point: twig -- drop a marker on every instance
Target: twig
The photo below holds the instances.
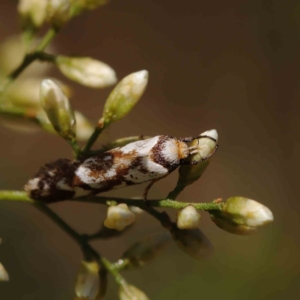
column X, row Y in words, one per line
column 29, row 58
column 164, row 203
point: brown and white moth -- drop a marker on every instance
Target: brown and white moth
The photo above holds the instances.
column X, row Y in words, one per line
column 145, row 160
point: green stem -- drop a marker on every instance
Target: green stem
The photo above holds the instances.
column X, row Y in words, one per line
column 47, row 39
column 62, row 224
column 121, row 264
column 27, row 37
column 88, row 251
column 164, row 203
column 98, row 129
column 29, row 58
column 76, row 149
column 177, row 190
column 113, row 271
column 82, row 240
column 27, row 114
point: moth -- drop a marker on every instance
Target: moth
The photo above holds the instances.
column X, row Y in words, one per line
column 142, row 161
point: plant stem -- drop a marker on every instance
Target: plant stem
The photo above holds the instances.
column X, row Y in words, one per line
column 88, row 251
column 82, row 240
column 47, row 39
column 98, row 129
column 76, row 149
column 29, row 58
column 27, row 114
column 164, row 203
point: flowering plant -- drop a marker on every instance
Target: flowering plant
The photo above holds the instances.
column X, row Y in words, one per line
column 128, row 160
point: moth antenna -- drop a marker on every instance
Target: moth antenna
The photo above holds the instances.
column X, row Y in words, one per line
column 190, row 162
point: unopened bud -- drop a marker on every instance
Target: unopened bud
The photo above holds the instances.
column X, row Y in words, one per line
column 188, row 218
column 201, row 149
column 58, row 12
column 130, row 292
column 87, row 71
column 118, row 217
column 3, row 273
column 146, row 249
column 124, row 97
column 242, row 216
column 204, row 147
column 193, row 242
column 32, row 12
column 58, row 109
column 88, row 281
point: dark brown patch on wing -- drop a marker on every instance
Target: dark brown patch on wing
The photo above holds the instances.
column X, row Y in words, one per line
column 99, row 164
column 47, row 178
column 156, row 154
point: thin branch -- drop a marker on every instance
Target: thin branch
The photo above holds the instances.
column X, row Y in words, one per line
column 88, row 251
column 97, row 131
column 164, row 203
column 29, row 58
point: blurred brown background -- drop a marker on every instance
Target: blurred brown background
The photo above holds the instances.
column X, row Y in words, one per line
column 230, row 65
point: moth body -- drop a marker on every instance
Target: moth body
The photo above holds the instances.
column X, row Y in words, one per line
column 142, row 161
column 134, row 163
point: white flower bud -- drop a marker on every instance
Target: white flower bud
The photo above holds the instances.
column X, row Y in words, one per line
column 124, row 97
column 188, row 218
column 3, row 273
column 200, row 149
column 58, row 109
column 240, row 215
column 118, row 217
column 32, row 12
column 204, row 147
column 86, row 71
column 88, row 281
column 130, row 292
column 58, row 12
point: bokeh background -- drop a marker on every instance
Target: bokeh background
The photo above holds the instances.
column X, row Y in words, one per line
column 231, row 65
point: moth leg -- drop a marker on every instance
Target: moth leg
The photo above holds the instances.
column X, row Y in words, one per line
column 148, row 187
